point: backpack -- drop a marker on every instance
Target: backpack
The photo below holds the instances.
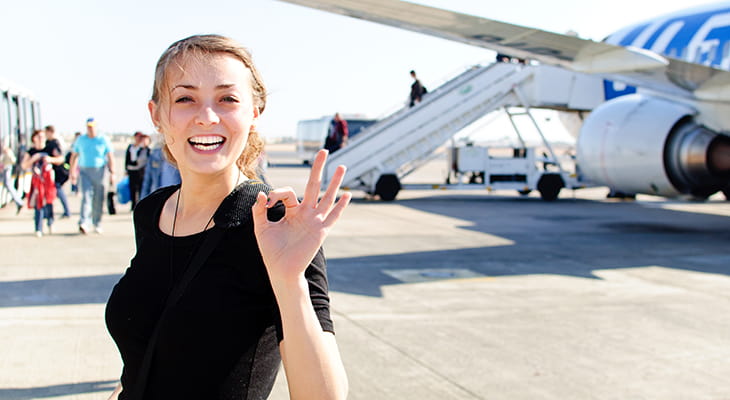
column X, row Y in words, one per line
column 64, row 170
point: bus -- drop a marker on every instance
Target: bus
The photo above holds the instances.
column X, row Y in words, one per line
column 19, row 116
column 312, row 132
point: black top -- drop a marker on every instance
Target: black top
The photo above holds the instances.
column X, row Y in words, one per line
column 220, row 340
column 130, row 165
column 33, row 151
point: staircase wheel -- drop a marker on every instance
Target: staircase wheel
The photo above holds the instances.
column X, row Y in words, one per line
column 549, row 186
column 387, row 187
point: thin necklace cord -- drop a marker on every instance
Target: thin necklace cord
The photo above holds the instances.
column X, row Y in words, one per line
column 200, row 241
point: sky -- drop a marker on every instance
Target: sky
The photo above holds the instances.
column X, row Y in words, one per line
column 84, row 58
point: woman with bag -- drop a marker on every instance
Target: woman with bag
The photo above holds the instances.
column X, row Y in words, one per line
column 229, row 277
column 42, row 185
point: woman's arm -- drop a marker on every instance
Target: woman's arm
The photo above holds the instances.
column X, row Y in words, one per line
column 28, row 160
column 311, row 359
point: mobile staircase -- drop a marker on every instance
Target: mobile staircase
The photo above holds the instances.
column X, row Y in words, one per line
column 379, row 157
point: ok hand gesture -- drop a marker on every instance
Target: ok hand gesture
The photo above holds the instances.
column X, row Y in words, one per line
column 289, row 245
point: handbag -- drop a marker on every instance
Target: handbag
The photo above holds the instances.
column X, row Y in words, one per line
column 123, row 193
column 111, row 207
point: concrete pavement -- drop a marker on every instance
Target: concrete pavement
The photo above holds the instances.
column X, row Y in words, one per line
column 437, row 295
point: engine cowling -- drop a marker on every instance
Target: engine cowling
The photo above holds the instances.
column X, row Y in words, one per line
column 643, row 144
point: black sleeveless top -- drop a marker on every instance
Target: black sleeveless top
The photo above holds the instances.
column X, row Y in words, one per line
column 220, row 340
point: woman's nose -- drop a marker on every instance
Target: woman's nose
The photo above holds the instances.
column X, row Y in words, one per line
column 207, row 116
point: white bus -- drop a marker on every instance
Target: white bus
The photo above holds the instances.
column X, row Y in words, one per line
column 19, row 116
column 311, row 133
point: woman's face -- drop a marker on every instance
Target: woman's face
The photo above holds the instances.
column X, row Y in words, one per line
column 207, row 113
column 39, row 140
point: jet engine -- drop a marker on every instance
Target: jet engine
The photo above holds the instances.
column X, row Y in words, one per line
column 643, row 144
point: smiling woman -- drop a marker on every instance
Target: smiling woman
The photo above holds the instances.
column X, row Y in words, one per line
column 218, row 293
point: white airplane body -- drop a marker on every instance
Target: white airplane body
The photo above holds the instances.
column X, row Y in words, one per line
column 664, row 127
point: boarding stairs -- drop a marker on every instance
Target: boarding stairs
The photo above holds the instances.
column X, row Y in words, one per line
column 390, row 149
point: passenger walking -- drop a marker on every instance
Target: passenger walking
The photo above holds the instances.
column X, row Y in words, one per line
column 217, row 294
column 55, row 148
column 417, row 90
column 42, row 187
column 7, row 161
column 337, row 135
column 135, row 160
column 93, row 155
column 158, row 173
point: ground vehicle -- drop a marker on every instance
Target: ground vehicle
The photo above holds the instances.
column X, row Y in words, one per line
column 517, row 168
column 19, row 116
column 312, row 132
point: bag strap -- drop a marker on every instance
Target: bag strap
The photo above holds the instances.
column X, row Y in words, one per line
column 212, row 238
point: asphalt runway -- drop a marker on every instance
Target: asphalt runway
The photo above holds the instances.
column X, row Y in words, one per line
column 436, row 295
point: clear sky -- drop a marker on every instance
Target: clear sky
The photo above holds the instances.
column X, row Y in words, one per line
column 96, row 58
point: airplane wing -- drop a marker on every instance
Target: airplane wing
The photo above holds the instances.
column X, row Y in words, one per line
column 632, row 66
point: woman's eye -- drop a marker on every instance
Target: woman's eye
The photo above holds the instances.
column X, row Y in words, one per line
column 229, row 99
column 184, row 99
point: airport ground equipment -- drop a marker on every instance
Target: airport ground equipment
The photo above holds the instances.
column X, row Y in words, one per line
column 513, row 168
column 384, row 153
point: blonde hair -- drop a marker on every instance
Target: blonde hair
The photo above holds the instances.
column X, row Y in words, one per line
column 201, row 47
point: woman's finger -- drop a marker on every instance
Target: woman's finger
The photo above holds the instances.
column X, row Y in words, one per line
column 331, row 194
column 259, row 211
column 285, row 195
column 311, row 192
column 337, row 211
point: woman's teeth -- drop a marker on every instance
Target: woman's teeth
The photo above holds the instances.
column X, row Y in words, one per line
column 206, row 142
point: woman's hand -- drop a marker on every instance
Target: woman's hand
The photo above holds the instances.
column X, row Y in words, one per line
column 289, row 245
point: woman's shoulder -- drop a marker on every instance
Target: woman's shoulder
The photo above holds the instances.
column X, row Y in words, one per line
column 235, row 209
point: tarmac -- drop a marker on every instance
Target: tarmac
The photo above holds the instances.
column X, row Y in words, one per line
column 436, row 295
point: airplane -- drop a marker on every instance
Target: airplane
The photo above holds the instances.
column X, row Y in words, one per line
column 664, row 127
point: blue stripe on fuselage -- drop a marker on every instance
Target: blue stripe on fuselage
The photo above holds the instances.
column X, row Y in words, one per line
column 631, row 36
column 677, row 47
column 611, row 92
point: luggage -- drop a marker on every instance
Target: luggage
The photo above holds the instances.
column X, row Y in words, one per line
column 111, row 207
column 123, row 193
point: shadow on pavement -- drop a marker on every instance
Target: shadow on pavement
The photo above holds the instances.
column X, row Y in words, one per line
column 42, row 392
column 60, row 291
column 567, row 237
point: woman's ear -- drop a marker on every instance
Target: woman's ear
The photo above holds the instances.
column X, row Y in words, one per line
column 154, row 114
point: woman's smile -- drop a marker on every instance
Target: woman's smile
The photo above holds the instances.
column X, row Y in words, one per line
column 206, row 143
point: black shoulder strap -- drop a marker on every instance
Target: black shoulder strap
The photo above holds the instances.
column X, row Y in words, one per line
column 212, row 237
